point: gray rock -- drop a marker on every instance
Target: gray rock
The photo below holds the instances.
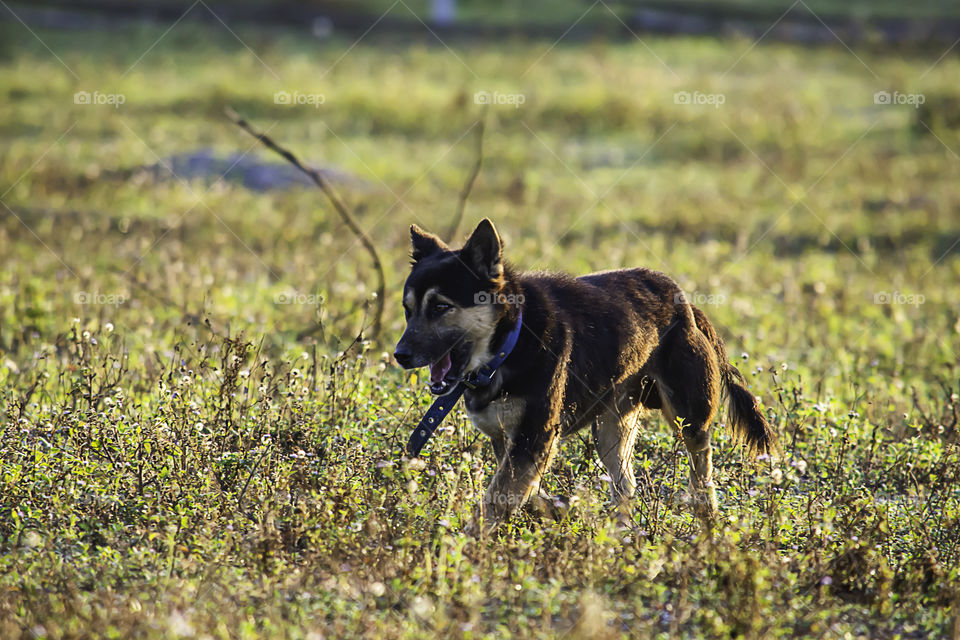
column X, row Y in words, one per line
column 252, row 172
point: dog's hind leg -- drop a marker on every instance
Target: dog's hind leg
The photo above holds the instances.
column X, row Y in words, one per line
column 689, row 382
column 613, row 437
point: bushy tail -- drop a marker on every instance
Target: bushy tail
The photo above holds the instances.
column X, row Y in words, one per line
column 743, row 412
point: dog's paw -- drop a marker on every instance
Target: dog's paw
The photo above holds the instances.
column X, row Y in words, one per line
column 478, row 523
column 472, row 528
column 555, row 507
column 483, row 522
column 704, row 503
column 541, row 505
column 623, row 517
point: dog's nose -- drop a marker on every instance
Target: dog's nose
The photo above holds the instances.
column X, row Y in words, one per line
column 403, row 357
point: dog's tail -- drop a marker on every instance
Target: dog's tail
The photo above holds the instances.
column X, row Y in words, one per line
column 743, row 411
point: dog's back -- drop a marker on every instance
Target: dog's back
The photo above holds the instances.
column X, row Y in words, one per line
column 618, row 324
column 614, row 321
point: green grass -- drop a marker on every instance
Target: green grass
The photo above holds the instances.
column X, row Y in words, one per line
column 173, row 460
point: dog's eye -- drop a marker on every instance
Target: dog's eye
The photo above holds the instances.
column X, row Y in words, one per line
column 441, row 307
column 406, row 312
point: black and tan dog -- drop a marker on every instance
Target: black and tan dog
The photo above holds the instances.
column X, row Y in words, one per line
column 594, row 350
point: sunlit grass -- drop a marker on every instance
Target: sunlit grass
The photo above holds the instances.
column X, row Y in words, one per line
column 175, row 460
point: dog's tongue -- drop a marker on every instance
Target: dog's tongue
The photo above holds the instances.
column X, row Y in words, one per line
column 440, row 368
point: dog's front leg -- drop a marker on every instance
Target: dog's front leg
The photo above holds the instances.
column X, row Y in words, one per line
column 518, row 476
column 530, row 447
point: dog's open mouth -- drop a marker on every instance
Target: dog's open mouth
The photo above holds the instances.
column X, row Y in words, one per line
column 441, row 378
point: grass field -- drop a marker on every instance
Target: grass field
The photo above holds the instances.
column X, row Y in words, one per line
column 193, row 444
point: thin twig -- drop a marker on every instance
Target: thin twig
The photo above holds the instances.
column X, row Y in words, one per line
column 468, row 185
column 337, row 203
column 246, row 484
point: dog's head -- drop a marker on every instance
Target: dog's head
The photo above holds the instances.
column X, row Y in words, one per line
column 452, row 301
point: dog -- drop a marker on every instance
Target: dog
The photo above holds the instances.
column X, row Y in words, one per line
column 594, row 350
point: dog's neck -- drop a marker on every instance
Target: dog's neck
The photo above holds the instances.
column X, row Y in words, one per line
column 512, row 293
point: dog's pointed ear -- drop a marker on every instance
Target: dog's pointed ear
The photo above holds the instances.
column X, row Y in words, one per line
column 483, row 251
column 425, row 244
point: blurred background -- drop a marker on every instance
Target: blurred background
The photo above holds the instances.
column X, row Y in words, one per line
column 781, row 159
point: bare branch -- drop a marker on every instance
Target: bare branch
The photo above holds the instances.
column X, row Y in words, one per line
column 338, row 204
column 468, row 185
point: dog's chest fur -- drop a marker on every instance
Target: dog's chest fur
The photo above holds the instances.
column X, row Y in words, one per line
column 498, row 417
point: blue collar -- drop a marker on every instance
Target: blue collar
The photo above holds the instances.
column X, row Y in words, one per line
column 480, row 378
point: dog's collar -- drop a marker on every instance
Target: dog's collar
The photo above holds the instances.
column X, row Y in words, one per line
column 480, row 378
